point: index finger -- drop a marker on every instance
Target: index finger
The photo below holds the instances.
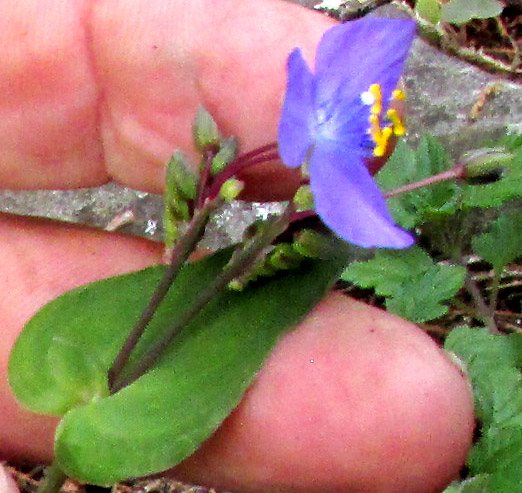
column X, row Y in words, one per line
column 105, row 90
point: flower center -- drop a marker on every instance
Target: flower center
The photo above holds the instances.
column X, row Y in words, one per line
column 381, row 135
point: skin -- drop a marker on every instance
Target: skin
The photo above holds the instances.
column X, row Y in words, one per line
column 106, row 89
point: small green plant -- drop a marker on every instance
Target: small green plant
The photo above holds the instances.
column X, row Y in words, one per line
column 166, row 386
column 457, row 11
column 426, row 283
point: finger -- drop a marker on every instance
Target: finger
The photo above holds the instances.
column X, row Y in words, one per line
column 107, row 89
column 7, row 483
column 35, row 269
column 355, row 399
column 351, row 395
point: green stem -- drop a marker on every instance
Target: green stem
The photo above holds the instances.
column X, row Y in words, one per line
column 53, row 479
column 183, row 249
column 238, row 264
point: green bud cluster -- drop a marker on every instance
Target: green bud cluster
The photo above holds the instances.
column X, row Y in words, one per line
column 306, row 244
column 184, row 186
column 180, row 189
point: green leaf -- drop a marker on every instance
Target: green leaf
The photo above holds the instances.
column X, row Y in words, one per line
column 503, row 243
column 429, row 10
column 414, row 284
column 462, row 11
column 406, row 166
column 493, row 363
column 162, row 418
column 476, row 484
column 400, row 169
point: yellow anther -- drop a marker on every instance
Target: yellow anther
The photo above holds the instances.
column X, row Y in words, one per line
column 382, row 142
column 398, row 94
column 397, row 124
column 375, row 128
column 381, row 135
column 375, row 91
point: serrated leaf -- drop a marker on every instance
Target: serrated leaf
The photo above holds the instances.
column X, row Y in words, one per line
column 388, row 270
column 502, row 244
column 414, row 284
column 405, row 166
column 462, row 11
column 162, row 418
column 429, row 10
column 400, row 169
column 422, row 299
column 493, row 364
column 499, row 453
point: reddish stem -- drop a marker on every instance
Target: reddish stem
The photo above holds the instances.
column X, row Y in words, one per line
column 262, row 154
column 452, row 174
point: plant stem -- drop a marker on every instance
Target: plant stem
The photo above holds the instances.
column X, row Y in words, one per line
column 262, row 154
column 53, row 480
column 238, row 264
column 483, row 310
column 183, row 249
column 452, row 174
column 495, row 285
column 204, row 179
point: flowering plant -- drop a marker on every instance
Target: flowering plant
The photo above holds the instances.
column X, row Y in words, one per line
column 133, row 404
column 333, row 119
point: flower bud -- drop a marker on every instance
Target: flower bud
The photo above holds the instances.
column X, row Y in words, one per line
column 311, row 244
column 180, row 188
column 285, row 257
column 304, row 198
column 483, row 162
column 226, row 154
column 231, row 189
column 205, row 131
column 180, row 176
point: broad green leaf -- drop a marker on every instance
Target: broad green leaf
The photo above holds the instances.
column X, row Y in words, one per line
column 414, row 284
column 429, row 10
column 503, row 243
column 405, row 166
column 493, row 363
column 162, row 418
column 462, row 11
column 476, row 484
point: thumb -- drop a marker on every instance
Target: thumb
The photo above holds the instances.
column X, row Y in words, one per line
column 7, row 484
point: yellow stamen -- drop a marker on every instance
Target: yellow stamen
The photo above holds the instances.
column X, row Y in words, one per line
column 382, row 142
column 381, row 135
column 397, row 124
column 375, row 128
column 375, row 91
column 398, row 94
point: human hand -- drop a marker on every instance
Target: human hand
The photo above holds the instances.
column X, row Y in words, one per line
column 94, row 91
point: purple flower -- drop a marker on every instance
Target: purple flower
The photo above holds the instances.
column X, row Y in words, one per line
column 336, row 117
